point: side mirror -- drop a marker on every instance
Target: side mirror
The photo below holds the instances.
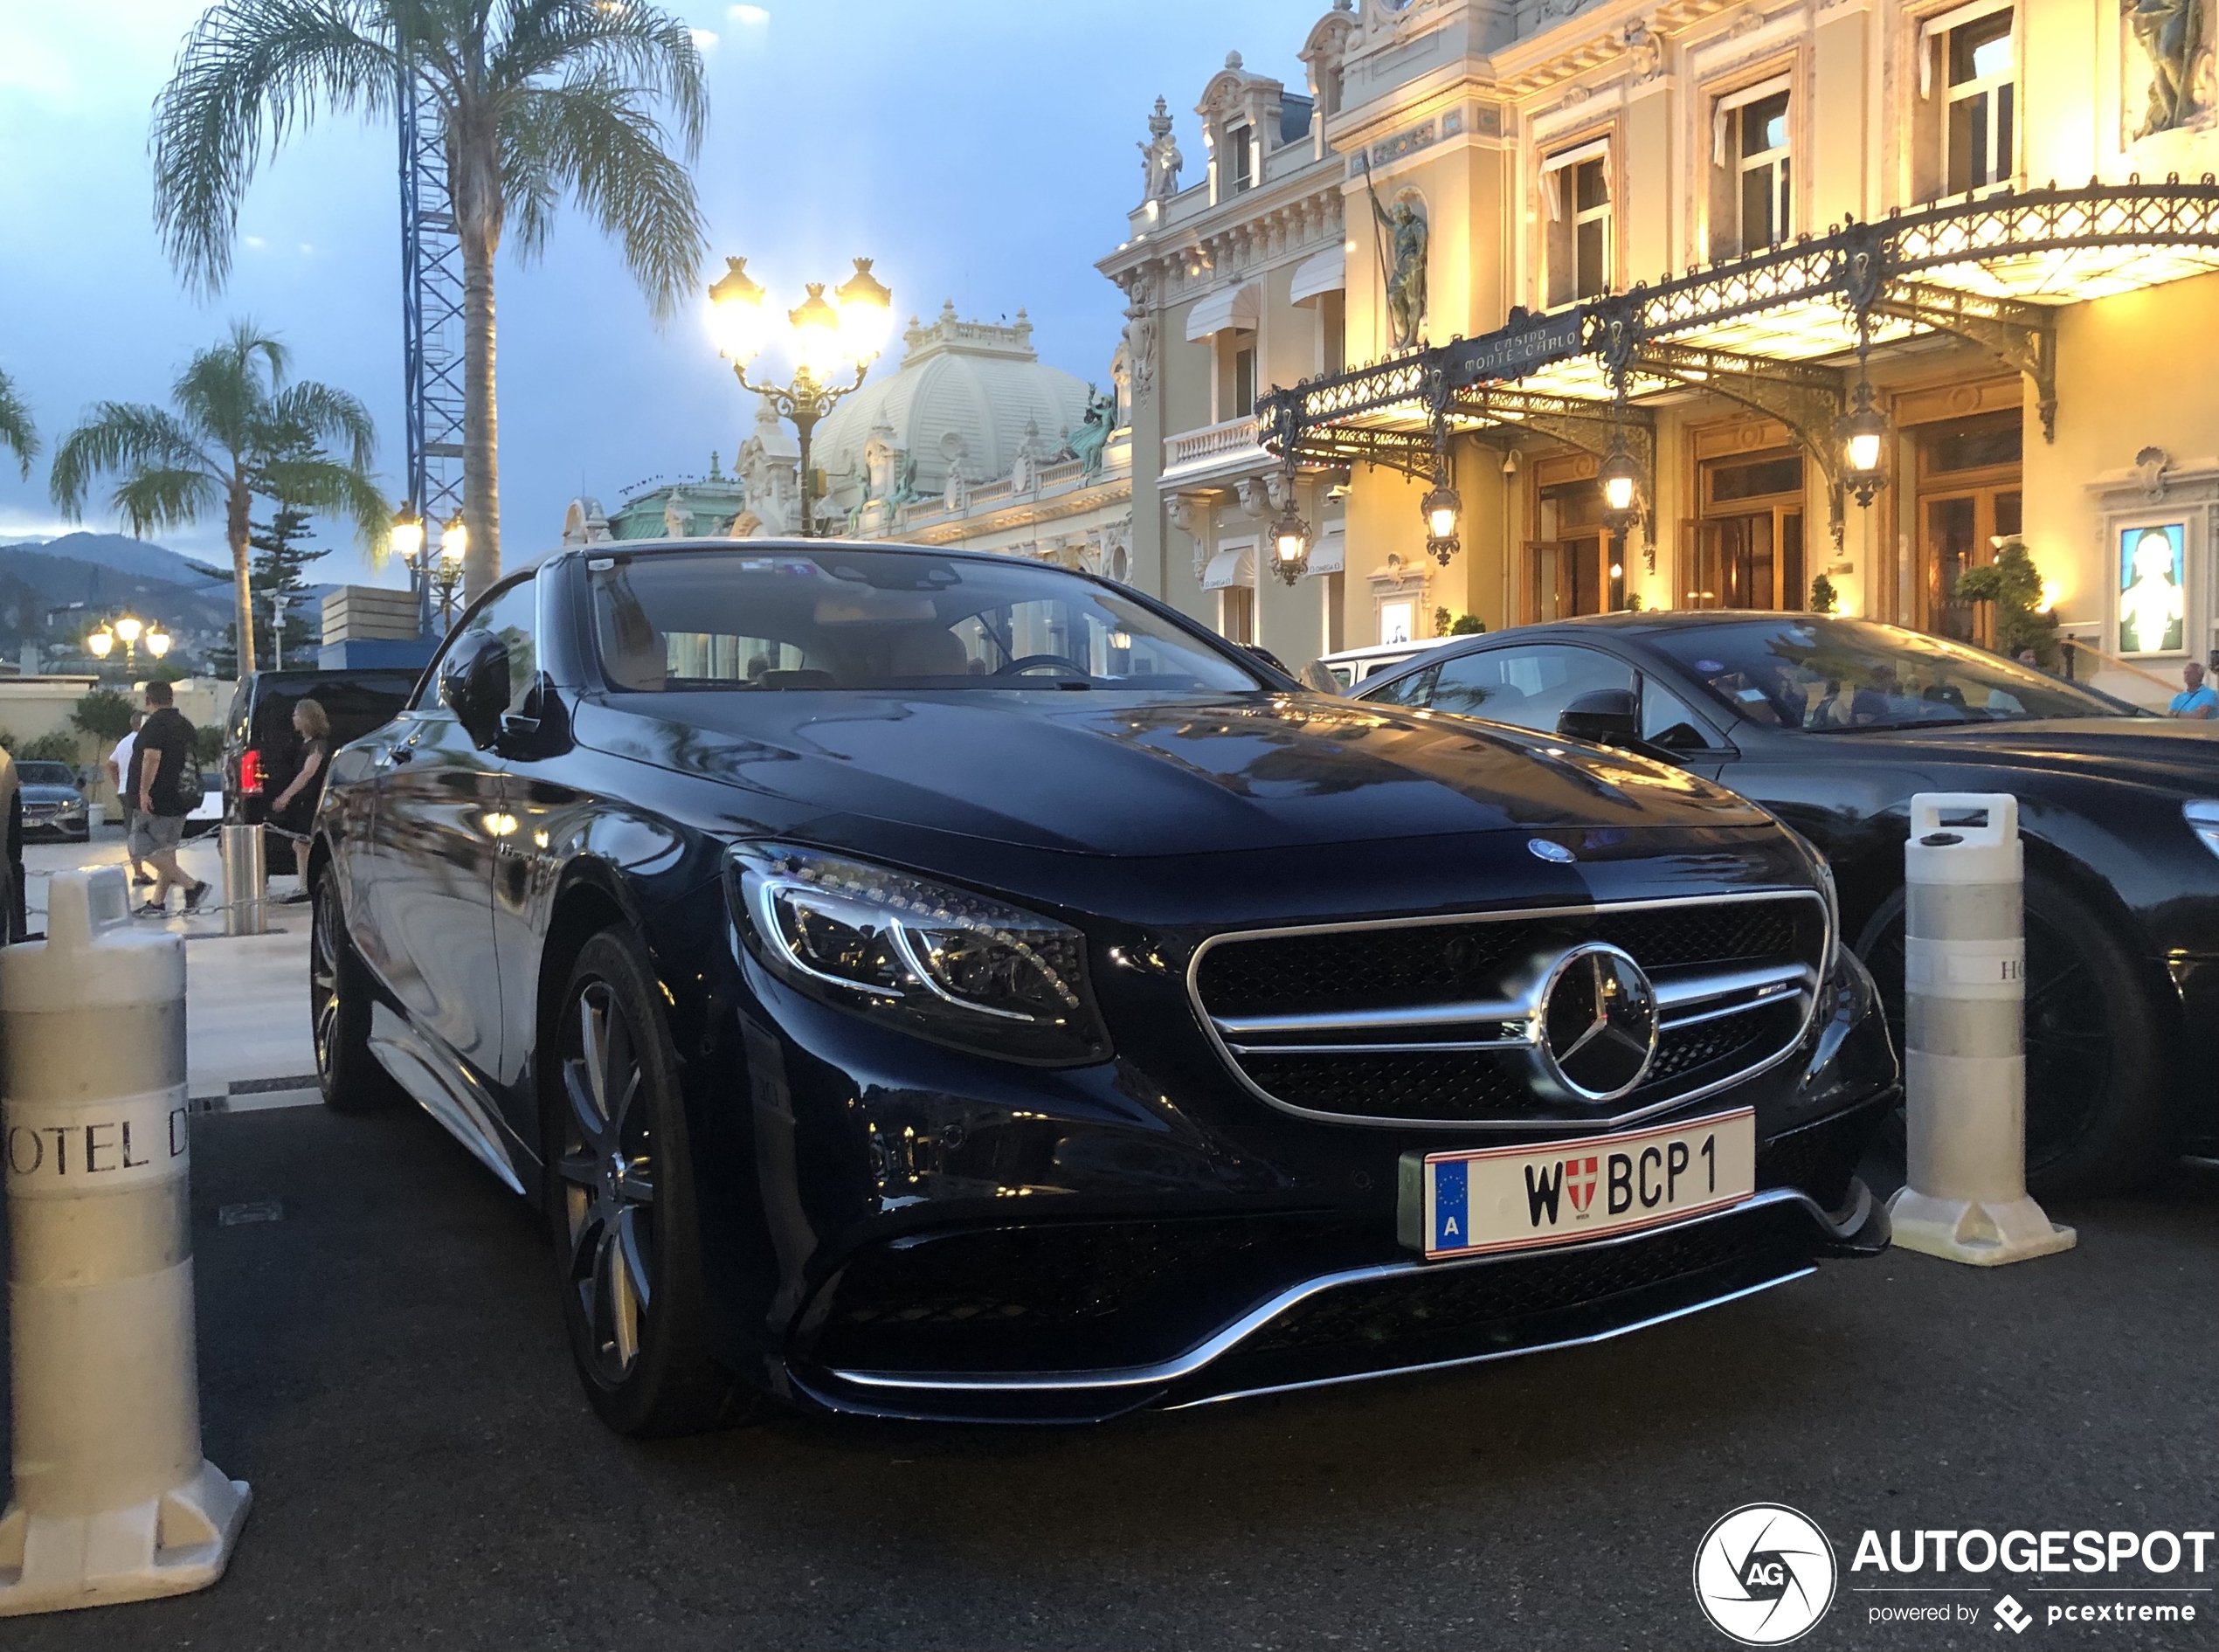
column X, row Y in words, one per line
column 1607, row 716
column 474, row 684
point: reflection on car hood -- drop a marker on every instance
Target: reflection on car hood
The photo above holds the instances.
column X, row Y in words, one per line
column 1127, row 774
column 52, row 794
column 2154, row 749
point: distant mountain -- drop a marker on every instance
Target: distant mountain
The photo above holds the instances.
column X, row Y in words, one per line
column 34, row 582
column 126, row 555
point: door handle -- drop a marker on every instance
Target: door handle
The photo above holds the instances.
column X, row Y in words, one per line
column 402, row 754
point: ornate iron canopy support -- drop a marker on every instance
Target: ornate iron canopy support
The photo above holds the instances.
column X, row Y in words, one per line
column 2023, row 336
column 1805, row 397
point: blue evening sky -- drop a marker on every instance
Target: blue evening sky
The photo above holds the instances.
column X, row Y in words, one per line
column 981, row 151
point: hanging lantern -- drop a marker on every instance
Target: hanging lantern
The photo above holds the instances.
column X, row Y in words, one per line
column 1865, row 435
column 1290, row 543
column 1442, row 509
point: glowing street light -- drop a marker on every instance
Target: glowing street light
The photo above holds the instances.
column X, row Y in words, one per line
column 827, row 337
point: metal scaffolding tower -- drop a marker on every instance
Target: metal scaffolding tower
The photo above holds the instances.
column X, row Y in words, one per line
column 431, row 328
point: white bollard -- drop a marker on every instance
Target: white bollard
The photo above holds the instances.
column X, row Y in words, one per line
column 1964, row 1038
column 113, row 1499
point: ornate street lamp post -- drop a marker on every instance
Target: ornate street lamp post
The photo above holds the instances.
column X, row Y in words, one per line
column 826, row 339
column 454, row 545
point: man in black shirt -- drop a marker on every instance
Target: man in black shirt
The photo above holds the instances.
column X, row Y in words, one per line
column 164, row 743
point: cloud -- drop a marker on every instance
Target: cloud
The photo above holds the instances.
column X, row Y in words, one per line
column 749, row 16
column 703, row 39
column 252, row 242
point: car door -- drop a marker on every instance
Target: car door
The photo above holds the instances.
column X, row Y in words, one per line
column 436, row 840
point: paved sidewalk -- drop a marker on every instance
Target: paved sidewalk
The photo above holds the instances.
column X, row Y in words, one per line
column 247, row 1042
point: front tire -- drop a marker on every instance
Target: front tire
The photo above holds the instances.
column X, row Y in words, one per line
column 620, row 1202
column 2095, row 1084
column 352, row 1079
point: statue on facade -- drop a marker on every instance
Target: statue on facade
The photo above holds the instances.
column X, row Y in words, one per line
column 1140, row 338
column 2170, row 33
column 1088, row 442
column 677, row 515
column 1025, row 471
column 1407, row 237
column 1160, row 160
column 905, row 481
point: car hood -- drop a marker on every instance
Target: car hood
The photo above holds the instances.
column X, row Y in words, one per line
column 52, row 794
column 1146, row 775
column 2152, row 750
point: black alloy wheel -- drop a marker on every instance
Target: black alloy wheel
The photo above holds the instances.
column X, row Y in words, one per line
column 619, row 1200
column 2095, row 1101
column 351, row 1078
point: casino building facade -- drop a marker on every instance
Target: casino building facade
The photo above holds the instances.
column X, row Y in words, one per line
column 1682, row 303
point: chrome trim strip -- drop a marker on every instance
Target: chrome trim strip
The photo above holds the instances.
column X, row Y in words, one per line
column 1739, row 1006
column 1239, row 1330
column 1379, row 1121
column 1436, row 1048
column 1383, row 1020
column 1587, row 1341
column 1672, row 994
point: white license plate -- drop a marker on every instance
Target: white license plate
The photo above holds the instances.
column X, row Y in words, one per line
column 1497, row 1199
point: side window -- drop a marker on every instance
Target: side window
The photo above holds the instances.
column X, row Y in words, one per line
column 514, row 617
column 1529, row 687
column 1416, row 689
column 1668, row 721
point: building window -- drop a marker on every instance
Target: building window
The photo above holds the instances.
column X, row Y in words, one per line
column 1751, row 204
column 1236, row 614
column 1244, row 381
column 1982, row 102
column 1332, row 333
column 1240, row 141
column 1576, row 188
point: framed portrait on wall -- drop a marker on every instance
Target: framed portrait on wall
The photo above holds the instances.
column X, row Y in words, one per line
column 2153, row 588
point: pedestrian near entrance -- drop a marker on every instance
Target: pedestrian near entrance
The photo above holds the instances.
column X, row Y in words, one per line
column 294, row 809
column 122, row 776
column 164, row 744
column 2196, row 702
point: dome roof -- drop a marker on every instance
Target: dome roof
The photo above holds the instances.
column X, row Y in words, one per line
column 964, row 389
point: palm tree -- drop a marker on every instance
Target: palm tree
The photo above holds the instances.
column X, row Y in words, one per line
column 16, row 432
column 537, row 99
column 237, row 428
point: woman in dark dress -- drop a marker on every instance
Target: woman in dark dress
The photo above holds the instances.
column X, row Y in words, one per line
column 294, row 809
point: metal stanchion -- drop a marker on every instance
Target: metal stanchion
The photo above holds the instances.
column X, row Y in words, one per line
column 1965, row 1037
column 245, row 882
column 113, row 1499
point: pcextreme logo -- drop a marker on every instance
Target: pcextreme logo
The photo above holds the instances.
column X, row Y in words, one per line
column 1765, row 1574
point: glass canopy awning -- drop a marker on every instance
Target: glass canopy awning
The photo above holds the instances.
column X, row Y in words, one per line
column 1760, row 329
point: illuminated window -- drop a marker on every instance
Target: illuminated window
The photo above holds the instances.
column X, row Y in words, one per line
column 1982, row 98
column 1241, row 142
column 1760, row 148
column 1576, row 187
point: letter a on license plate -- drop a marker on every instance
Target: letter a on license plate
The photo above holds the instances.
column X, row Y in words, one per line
column 1497, row 1199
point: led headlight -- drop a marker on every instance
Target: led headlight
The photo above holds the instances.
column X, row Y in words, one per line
column 942, row 962
column 2203, row 816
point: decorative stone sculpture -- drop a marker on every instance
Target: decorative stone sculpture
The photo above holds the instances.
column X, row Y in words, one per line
column 677, row 516
column 1087, row 443
column 1024, row 472
column 2170, row 33
column 1409, row 237
column 1160, row 160
column 905, row 481
column 1140, row 337
column 956, row 452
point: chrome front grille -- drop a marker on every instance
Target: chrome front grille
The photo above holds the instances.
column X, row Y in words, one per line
column 1436, row 1022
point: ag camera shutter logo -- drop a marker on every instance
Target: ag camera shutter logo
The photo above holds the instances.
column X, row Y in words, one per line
column 1765, row 1574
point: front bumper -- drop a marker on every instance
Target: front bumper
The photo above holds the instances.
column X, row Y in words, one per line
column 65, row 826
column 1396, row 1317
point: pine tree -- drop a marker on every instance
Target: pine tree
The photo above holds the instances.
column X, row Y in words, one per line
column 280, row 560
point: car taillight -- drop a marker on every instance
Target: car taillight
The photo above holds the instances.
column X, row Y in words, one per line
column 250, row 773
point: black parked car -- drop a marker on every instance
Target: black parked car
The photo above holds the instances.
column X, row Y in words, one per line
column 53, row 806
column 262, row 753
column 1833, row 725
column 940, row 985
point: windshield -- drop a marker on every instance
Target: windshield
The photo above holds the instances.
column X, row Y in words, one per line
column 859, row 619
column 45, row 774
column 1826, row 675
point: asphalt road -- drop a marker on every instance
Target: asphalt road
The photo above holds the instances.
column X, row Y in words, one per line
column 387, row 1366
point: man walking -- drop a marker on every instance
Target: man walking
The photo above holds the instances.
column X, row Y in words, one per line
column 126, row 798
column 165, row 741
